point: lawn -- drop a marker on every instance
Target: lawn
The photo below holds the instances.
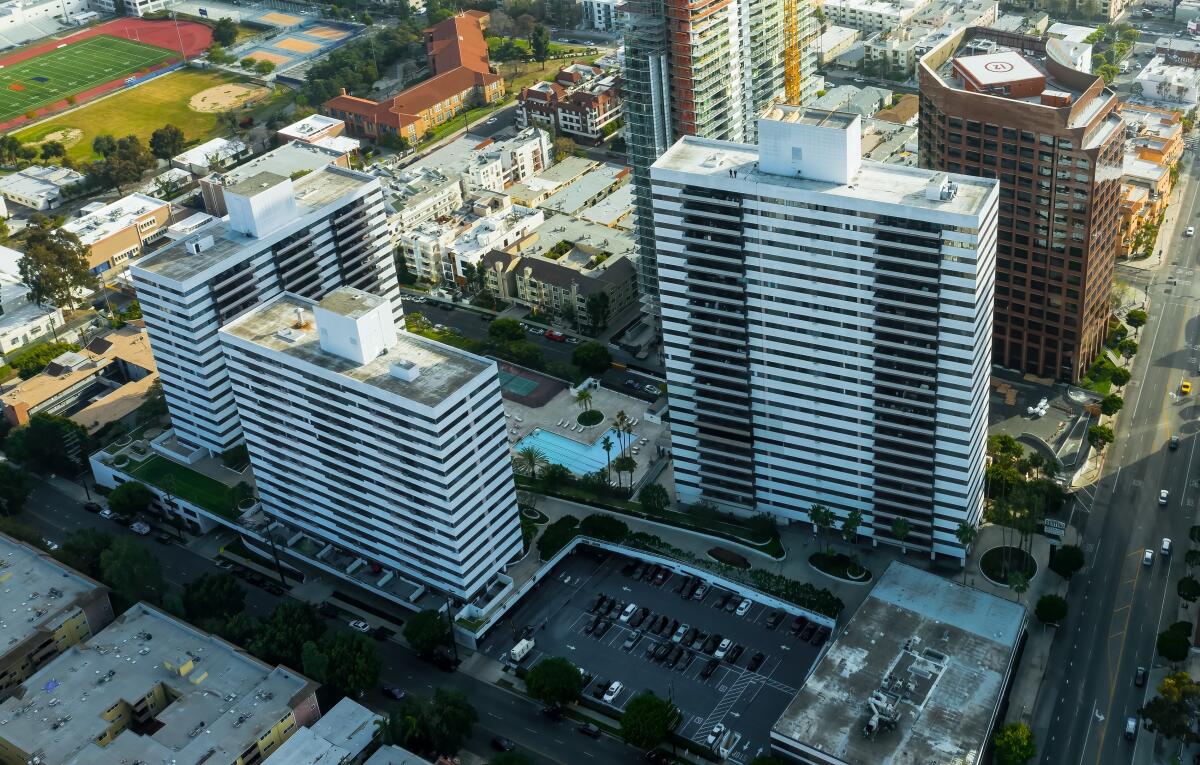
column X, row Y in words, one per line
column 188, row 485
column 54, row 75
column 138, row 111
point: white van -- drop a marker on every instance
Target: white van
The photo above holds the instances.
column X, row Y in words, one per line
column 1124, row 67
column 1166, row 547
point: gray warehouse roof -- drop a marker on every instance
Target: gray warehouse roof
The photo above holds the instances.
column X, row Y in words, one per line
column 924, row 658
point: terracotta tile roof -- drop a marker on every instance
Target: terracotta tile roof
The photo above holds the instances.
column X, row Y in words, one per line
column 458, row 42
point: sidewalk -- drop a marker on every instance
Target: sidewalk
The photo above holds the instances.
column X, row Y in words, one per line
column 1167, row 233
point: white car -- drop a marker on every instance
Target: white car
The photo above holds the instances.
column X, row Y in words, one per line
column 1148, row 558
column 358, row 625
column 490, row 121
column 613, row 691
column 106, row 514
column 1191, row 231
column 679, row 633
column 723, row 649
column 628, row 612
column 715, row 733
column 50, row 544
column 140, row 528
column 1162, row 496
column 743, row 607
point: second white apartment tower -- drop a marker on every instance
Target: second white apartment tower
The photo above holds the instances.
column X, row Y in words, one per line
column 827, row 328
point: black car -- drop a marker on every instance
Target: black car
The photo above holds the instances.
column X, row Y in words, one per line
column 809, row 630
column 554, row 713
column 711, row 643
column 600, row 600
column 273, row 588
column 394, row 692
column 501, row 744
column 164, row 538
column 673, row 659
column 92, row 507
column 698, row 643
column 735, row 653
column 602, row 628
column 798, row 625
column 639, row 571
column 723, row 600
column 638, row 617
column 690, row 636
column 661, row 576
column 1173, row 444
column 601, row 687
column 589, row 730
column 657, row 757
column 629, row 567
column 661, row 651
column 592, row 625
column 821, row 636
column 756, row 661
column 773, row 619
column 1139, row 677
column 709, row 668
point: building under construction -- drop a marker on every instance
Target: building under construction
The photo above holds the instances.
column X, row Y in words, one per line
column 918, row 675
column 707, row 68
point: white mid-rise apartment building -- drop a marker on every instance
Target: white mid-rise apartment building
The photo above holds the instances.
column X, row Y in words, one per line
column 601, row 15
column 324, row 230
column 381, row 442
column 827, row 328
column 872, row 15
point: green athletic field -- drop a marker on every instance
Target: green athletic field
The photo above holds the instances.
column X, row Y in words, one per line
column 56, row 74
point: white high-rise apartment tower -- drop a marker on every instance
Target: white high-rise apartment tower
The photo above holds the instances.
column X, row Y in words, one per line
column 827, row 328
column 326, row 229
column 381, row 442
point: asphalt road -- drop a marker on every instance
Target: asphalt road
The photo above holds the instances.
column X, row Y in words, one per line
column 1118, row 605
column 501, row 713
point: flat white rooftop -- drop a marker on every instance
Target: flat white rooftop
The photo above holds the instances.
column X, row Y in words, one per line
column 35, row 589
column 998, row 68
column 221, row 699
column 309, row 126
column 442, row 370
column 936, row 651
column 109, row 219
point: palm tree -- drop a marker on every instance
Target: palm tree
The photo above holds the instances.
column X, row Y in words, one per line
column 850, row 525
column 900, row 529
column 529, row 460
column 1019, row 583
column 584, row 399
column 966, row 536
column 624, row 429
column 607, row 443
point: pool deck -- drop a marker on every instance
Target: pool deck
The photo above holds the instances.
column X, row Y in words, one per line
column 608, row 402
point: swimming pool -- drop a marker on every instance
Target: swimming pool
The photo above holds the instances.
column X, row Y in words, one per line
column 574, row 456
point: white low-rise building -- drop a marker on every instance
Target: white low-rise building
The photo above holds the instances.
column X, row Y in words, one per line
column 39, row 187
column 492, row 164
column 872, row 15
column 1171, row 84
column 210, row 156
column 384, row 444
column 602, row 15
column 835, row 41
column 21, row 320
column 441, row 251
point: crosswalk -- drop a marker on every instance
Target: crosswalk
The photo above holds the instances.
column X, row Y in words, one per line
column 730, row 698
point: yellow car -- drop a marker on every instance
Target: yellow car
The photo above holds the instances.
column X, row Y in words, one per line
column 1185, row 387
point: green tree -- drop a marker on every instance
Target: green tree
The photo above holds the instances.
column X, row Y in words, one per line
column 104, row 144
column 1173, row 711
column 240, row 629
column 654, row 498
column 1111, row 404
column 539, row 44
column 554, row 476
column 1188, row 588
column 225, row 32
column 81, row 550
column 822, row 518
column 166, row 142
column 592, row 358
column 1067, row 561
column 132, row 572
column 647, row 720
column 14, row 488
column 597, row 305
column 557, row 535
column 1136, row 318
column 529, row 460
column 1014, row 745
column 1127, row 347
column 1018, row 583
column 453, row 718
column 606, row 443
column 625, row 464
column 313, row 662
column 366, row 19
column 1051, row 609
column 584, row 399
column 506, row 331
column 52, row 149
column 281, row 638
column 54, row 265
column 213, row 596
column 130, row 498
column 48, row 444
column 353, row 663
column 426, row 631
column 123, row 165
column 1120, row 376
column 1192, row 558
column 554, row 681
column 264, row 67
column 1100, row 436
column 1173, row 644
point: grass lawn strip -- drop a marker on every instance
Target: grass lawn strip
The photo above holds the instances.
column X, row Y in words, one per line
column 74, row 69
column 188, row 485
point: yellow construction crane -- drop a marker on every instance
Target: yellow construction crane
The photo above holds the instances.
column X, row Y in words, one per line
column 791, row 52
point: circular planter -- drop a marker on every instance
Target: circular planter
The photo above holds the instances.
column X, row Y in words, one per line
column 125, row 440
column 533, row 514
column 590, row 417
column 246, row 504
column 121, row 460
column 992, row 564
column 729, row 558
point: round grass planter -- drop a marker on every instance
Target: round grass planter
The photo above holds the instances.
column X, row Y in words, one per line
column 590, row 417
column 729, row 558
column 992, row 564
column 840, row 566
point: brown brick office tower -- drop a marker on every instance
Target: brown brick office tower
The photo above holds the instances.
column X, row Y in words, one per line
column 1011, row 107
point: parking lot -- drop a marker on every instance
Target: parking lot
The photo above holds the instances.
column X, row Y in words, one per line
column 667, row 644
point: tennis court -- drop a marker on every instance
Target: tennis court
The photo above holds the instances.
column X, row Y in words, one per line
column 76, row 67
column 515, row 383
column 527, row 387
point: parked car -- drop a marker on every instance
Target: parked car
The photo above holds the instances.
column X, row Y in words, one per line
column 724, row 598
column 709, row 669
column 773, row 619
column 600, row 599
column 1173, row 443
column 592, row 625
column 603, row 628
column 554, row 336
column 756, row 661
column 710, row 643
column 501, row 744
column 358, row 625
column 743, row 607
column 92, row 507
column 689, row 637
column 651, row 389
column 49, row 544
column 681, row 632
column 141, row 528
column 164, row 538
column 601, row 687
column 553, row 712
column 723, row 648
column 657, row 757
column 641, row 616
column 1163, row 496
column 1191, row 230
column 588, row 730
column 701, row 591
column 394, row 692
column 225, row 564
column 628, row 612
column 631, row 641
column 1139, row 677
column 613, row 691
column 661, row 651
column 734, row 654
column 676, row 653
column 808, row 631
column 715, row 734
column 822, row 635
column 107, row 514
column 799, row 624
column 661, row 575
